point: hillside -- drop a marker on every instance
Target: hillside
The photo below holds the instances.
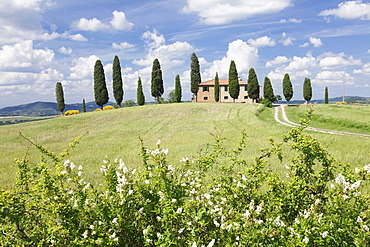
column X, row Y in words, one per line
column 183, row 128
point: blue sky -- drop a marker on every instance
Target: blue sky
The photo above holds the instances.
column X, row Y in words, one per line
column 46, row 41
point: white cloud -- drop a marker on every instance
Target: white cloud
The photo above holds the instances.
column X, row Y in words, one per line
column 120, row 22
column 364, row 70
column 83, row 68
column 350, row 10
column 262, row 41
column 22, row 55
column 153, row 39
column 123, row 45
column 277, row 61
column 304, row 44
column 368, row 51
column 301, row 63
column 216, row 12
column 292, row 20
column 64, row 50
column 75, row 37
column 330, row 60
column 316, row 42
column 88, row 25
column 333, row 78
column 286, row 41
column 244, row 55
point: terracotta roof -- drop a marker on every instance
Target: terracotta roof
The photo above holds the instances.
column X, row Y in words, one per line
column 223, row 82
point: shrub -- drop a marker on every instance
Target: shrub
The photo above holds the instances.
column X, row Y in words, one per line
column 266, row 103
column 108, row 107
column 98, row 109
column 71, row 112
column 318, row 203
column 341, row 103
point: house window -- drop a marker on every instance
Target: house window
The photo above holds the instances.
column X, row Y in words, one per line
column 205, row 98
column 226, row 88
column 226, row 97
column 245, row 97
column 205, row 89
column 246, row 88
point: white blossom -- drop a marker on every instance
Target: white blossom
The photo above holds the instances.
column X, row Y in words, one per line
column 115, row 221
column 85, row 234
column 179, row 211
column 247, row 213
column 211, row 243
column 367, row 168
column 359, row 220
column 306, row 240
column 324, row 234
column 158, row 142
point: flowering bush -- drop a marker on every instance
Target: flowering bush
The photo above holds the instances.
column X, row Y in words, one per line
column 108, row 107
column 318, row 203
column 341, row 103
column 98, row 109
column 71, row 112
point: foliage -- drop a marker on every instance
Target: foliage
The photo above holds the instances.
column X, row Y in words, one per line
column 253, row 87
column 171, row 97
column 60, row 97
column 233, row 81
column 319, row 201
column 140, row 97
column 108, row 107
column 83, row 105
column 98, row 109
column 268, row 91
column 117, row 81
column 100, row 87
column 278, row 98
column 287, row 88
column 129, row 103
column 178, row 90
column 341, row 103
column 157, row 81
column 71, row 112
column 307, row 90
column 217, row 88
column 326, row 95
column 266, row 102
column 195, row 77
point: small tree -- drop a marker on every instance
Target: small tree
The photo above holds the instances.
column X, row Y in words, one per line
column 268, row 91
column 178, row 90
column 233, row 81
column 100, row 86
column 83, row 105
column 60, row 97
column 326, row 95
column 195, row 78
column 278, row 98
column 171, row 97
column 287, row 88
column 253, row 87
column 307, row 90
column 139, row 94
column 217, row 88
column 117, row 81
column 157, row 81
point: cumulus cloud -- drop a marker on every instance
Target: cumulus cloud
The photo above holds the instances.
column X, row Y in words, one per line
column 333, row 78
column 216, row 12
column 23, row 56
column 304, row 44
column 291, row 20
column 350, row 10
column 316, row 42
column 83, row 67
column 244, row 55
column 64, row 50
column 118, row 22
column 123, row 45
column 286, row 41
column 364, row 70
column 329, row 60
column 261, row 42
column 277, row 61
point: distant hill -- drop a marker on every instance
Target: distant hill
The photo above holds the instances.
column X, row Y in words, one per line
column 37, row 109
column 347, row 99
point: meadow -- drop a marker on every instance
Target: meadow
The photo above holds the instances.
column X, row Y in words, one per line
column 183, row 128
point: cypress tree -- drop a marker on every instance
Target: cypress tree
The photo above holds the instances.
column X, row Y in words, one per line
column 117, row 81
column 217, row 88
column 100, row 86
column 307, row 90
column 60, row 96
column 287, row 88
column 195, row 78
column 233, row 81
column 253, row 87
column 83, row 105
column 139, row 94
column 268, row 91
column 157, row 81
column 178, row 90
column 326, row 95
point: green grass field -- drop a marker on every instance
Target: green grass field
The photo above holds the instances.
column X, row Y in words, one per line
column 182, row 128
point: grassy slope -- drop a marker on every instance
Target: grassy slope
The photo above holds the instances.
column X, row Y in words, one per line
column 181, row 127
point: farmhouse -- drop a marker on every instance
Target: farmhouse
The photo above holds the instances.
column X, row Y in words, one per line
column 206, row 92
